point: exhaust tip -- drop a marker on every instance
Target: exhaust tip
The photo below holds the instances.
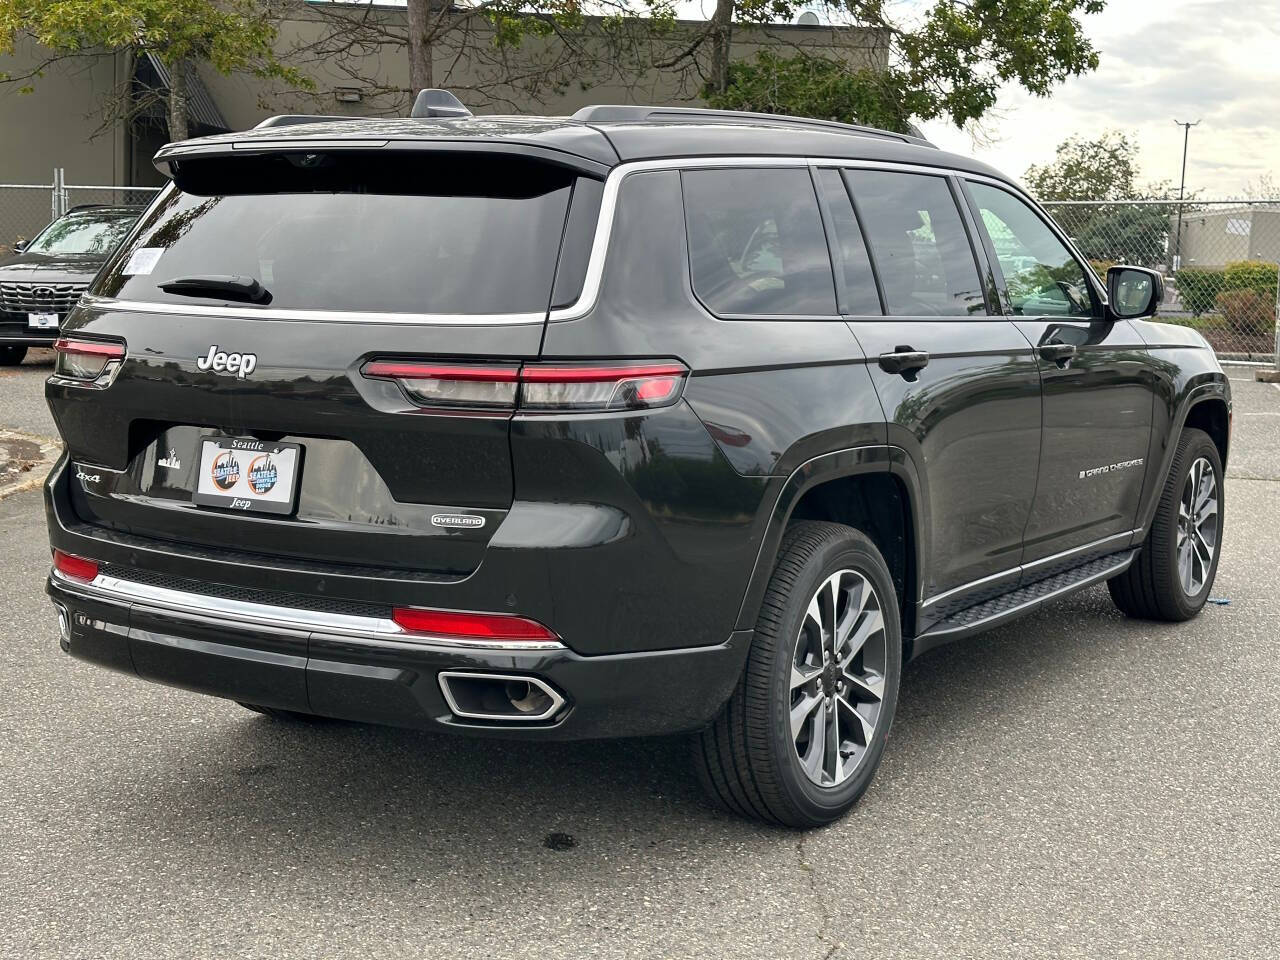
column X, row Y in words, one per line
column 502, row 697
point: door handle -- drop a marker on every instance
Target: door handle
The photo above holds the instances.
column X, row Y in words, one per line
column 904, row 360
column 1060, row 353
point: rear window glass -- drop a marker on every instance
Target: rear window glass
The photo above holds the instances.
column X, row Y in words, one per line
column 393, row 234
column 756, row 243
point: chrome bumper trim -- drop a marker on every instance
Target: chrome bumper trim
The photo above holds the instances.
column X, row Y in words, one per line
column 246, row 615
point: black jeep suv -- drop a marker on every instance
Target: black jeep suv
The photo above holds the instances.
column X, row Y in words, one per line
column 642, row 421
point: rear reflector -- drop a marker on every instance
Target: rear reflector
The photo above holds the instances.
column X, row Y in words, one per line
column 536, row 387
column 77, row 568
column 470, row 626
column 85, row 359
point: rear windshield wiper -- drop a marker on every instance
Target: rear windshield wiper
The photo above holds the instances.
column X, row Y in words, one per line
column 247, row 289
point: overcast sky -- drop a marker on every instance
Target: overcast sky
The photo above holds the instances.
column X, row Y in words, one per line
column 1216, row 61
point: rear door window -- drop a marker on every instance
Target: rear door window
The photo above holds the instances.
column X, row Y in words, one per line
column 394, row 234
column 920, row 246
column 756, row 244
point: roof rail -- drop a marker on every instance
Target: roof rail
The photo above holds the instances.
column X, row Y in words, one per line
column 293, row 119
column 626, row 113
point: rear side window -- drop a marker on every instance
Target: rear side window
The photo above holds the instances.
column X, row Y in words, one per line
column 396, row 234
column 919, row 243
column 756, row 245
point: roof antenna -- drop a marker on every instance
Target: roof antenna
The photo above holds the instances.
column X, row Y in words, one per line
column 438, row 103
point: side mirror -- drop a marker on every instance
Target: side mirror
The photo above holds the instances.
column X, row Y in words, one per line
column 1133, row 292
column 19, row 246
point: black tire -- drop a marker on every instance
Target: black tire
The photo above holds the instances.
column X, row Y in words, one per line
column 1152, row 589
column 748, row 758
column 12, row 354
column 275, row 713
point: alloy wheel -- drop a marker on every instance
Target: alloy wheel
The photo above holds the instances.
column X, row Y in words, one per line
column 837, row 678
column 1197, row 526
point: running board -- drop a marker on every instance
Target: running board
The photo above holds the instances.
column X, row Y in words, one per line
column 1022, row 600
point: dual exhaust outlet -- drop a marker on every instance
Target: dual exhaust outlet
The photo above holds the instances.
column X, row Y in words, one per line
column 500, row 697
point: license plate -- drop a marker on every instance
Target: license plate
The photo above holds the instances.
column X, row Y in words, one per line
column 42, row 321
column 250, row 475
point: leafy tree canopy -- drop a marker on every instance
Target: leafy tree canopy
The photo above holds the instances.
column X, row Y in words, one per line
column 949, row 62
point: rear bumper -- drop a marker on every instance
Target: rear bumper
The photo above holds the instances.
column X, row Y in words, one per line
column 356, row 667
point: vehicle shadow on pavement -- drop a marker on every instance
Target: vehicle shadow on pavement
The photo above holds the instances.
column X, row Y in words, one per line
column 409, row 796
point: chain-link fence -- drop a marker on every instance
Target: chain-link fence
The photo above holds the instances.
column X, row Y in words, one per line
column 1219, row 258
column 25, row 208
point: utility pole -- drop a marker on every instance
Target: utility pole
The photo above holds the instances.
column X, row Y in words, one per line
column 1177, row 243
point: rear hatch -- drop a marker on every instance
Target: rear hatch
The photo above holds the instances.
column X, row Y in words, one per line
column 251, row 300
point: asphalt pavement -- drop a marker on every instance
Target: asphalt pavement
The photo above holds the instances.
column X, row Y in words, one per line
column 1073, row 785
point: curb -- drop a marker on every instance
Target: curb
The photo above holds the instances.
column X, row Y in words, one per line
column 25, row 460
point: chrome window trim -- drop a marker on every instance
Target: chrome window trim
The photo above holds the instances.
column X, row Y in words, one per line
column 311, row 316
column 246, row 615
column 590, row 293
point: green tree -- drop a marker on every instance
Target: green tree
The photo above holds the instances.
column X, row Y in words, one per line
column 1102, row 174
column 229, row 35
column 949, row 60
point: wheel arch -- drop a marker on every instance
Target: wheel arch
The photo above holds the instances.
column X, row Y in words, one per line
column 1211, row 414
column 853, row 487
column 1206, row 405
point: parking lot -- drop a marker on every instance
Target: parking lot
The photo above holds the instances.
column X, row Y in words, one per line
column 1072, row 785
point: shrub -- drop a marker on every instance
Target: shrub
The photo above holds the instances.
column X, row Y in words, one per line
column 1198, row 287
column 1247, row 311
column 1251, row 275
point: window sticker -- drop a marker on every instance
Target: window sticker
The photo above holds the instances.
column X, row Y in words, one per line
column 142, row 261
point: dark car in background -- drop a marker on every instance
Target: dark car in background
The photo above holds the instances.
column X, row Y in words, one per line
column 41, row 282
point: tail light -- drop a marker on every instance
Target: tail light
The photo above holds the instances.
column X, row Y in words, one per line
column 452, row 385
column 481, row 627
column 86, row 359
column 601, row 387
column 535, row 387
column 76, row 568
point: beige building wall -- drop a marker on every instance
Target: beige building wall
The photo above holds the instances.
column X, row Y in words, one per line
column 56, row 124
column 1215, row 238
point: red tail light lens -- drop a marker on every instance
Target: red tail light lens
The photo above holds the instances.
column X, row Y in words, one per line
column 470, row 626
column 536, row 387
column 475, row 386
column 77, row 568
column 631, row 387
column 85, row 359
